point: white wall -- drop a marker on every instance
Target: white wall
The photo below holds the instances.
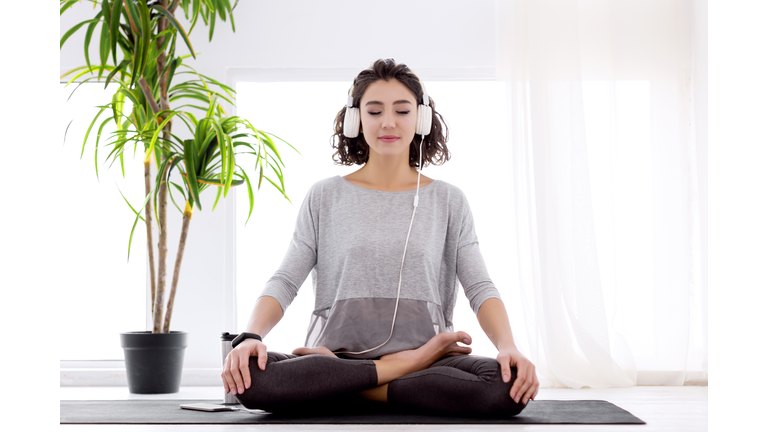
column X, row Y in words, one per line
column 425, row 35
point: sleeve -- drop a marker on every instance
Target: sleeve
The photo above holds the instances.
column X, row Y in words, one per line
column 470, row 266
column 300, row 258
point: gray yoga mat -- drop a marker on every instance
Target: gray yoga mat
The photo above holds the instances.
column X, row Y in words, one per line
column 169, row 412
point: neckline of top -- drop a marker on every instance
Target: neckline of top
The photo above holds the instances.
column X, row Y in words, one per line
column 381, row 191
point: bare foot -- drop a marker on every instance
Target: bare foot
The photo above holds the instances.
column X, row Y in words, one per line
column 319, row 350
column 396, row 365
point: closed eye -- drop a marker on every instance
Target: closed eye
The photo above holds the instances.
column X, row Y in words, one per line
column 399, row 112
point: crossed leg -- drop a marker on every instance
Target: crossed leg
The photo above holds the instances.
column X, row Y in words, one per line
column 431, row 378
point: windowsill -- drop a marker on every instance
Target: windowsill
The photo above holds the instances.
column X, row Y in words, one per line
column 117, row 377
column 114, row 375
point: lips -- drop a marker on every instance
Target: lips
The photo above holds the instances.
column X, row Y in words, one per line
column 388, row 138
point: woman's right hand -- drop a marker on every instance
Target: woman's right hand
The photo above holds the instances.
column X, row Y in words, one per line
column 236, row 374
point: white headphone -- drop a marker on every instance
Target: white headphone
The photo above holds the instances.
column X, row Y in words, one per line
column 423, row 116
column 423, row 127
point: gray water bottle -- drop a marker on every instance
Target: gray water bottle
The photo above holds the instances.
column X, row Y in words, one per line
column 226, row 347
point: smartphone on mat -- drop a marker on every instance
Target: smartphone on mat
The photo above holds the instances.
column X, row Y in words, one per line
column 207, row 407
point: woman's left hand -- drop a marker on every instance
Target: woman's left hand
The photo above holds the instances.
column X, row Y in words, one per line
column 526, row 385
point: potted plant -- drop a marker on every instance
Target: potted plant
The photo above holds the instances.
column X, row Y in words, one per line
column 140, row 37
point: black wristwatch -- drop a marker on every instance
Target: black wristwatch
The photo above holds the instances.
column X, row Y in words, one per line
column 243, row 336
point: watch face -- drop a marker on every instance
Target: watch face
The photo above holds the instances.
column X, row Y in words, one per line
column 237, row 340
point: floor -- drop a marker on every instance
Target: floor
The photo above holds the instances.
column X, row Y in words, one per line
column 678, row 409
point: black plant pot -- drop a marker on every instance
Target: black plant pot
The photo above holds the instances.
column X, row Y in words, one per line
column 153, row 361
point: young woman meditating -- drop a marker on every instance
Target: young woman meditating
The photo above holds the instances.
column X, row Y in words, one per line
column 385, row 278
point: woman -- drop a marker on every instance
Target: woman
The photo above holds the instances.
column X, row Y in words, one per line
column 367, row 341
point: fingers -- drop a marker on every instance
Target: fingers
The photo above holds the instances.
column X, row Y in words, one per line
column 236, row 373
column 520, row 385
column 534, row 388
column 526, row 384
column 464, row 337
column 235, row 369
column 226, row 375
column 245, row 373
column 455, row 349
column 506, row 371
column 261, row 353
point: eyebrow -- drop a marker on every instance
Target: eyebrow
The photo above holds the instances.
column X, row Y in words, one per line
column 379, row 103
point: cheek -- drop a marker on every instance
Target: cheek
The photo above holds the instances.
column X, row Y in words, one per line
column 365, row 125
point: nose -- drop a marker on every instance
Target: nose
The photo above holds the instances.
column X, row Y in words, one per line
column 387, row 120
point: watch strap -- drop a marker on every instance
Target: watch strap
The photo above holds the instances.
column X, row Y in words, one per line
column 243, row 336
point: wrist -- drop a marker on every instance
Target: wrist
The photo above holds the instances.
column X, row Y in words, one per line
column 243, row 337
column 508, row 346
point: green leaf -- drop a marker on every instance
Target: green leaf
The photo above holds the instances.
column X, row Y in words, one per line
column 122, row 64
column 173, row 161
column 146, row 30
column 96, row 148
column 216, row 201
column 212, row 24
column 138, row 215
column 77, row 26
column 177, row 26
column 289, row 144
column 217, row 182
column 104, row 46
column 115, row 27
column 195, row 14
column 272, row 147
column 173, row 66
column 106, row 12
column 278, row 188
column 88, row 35
column 129, row 204
column 66, row 6
column 134, row 18
column 225, row 175
column 170, row 192
column 66, row 130
column 118, row 99
column 220, row 8
column 229, row 11
column 89, row 131
column 250, row 196
column 136, row 60
column 189, row 163
column 130, row 94
column 157, row 133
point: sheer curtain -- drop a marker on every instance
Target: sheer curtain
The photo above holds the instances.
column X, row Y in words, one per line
column 607, row 115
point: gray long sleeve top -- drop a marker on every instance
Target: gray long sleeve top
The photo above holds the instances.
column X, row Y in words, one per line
column 352, row 240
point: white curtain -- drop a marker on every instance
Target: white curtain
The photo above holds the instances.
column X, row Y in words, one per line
column 609, row 181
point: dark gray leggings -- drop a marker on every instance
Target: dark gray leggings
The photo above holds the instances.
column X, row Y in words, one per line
column 462, row 385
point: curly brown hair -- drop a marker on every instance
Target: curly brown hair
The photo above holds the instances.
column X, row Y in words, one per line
column 355, row 151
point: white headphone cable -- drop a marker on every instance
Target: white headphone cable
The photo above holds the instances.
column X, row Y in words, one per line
column 397, row 302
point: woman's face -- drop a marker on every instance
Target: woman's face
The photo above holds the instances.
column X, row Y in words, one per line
column 388, row 115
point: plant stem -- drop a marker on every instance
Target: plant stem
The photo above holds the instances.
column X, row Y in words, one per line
column 163, row 191
column 148, row 222
column 177, row 266
column 150, row 97
column 162, row 251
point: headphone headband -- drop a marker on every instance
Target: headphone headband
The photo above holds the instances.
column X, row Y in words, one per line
column 423, row 117
column 424, row 95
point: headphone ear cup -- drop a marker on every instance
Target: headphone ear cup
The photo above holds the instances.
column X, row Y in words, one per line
column 424, row 120
column 352, row 122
